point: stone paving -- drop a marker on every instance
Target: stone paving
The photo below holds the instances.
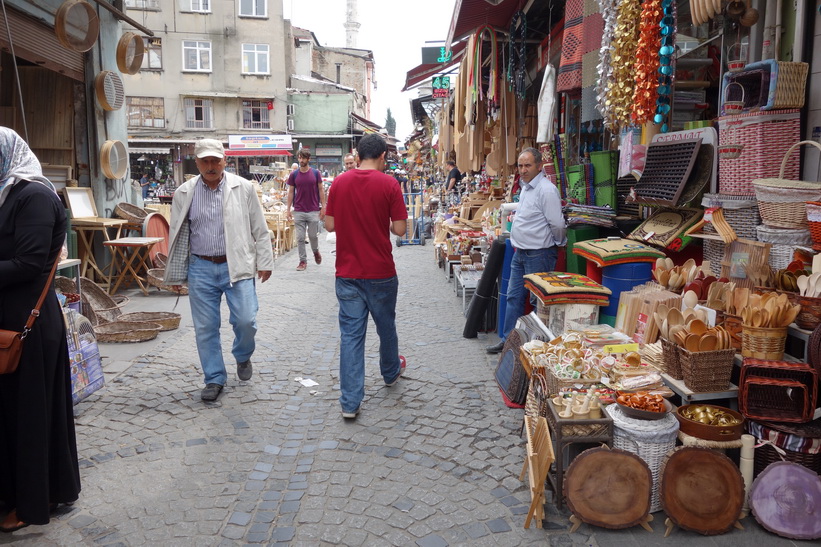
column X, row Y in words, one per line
column 431, row 461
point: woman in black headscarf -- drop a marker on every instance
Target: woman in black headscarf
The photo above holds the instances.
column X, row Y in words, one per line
column 38, row 451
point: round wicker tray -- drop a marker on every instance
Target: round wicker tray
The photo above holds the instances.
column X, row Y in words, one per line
column 130, row 212
column 155, row 277
column 166, row 320
column 125, row 331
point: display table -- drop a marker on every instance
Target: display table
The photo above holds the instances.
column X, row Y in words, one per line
column 466, row 281
column 86, row 228
column 689, row 397
column 131, row 255
column 568, row 431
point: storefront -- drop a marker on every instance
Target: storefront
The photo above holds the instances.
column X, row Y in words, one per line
column 681, row 315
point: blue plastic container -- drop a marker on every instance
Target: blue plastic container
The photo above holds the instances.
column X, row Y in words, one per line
column 623, row 277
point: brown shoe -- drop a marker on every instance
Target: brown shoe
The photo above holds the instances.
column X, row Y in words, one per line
column 317, row 257
column 301, row 266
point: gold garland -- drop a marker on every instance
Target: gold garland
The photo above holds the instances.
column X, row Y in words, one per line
column 625, row 42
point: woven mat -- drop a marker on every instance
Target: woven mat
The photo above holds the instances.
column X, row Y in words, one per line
column 666, row 226
column 551, row 283
column 606, row 252
column 570, row 65
column 689, row 440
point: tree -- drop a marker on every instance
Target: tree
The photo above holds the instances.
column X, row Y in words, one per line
column 390, row 124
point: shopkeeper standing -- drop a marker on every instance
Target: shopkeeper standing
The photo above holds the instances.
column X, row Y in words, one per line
column 538, row 230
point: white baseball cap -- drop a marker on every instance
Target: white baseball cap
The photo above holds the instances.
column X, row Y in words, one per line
column 209, row 148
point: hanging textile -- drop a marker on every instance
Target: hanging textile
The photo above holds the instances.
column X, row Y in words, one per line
column 477, row 92
column 609, row 11
column 592, row 29
column 647, row 63
column 570, row 65
column 547, row 105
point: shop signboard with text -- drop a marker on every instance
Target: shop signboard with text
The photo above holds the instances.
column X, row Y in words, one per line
column 260, row 142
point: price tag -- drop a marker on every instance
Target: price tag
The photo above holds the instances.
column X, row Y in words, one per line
column 620, row 348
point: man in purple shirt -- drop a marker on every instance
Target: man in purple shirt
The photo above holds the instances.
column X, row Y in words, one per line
column 306, row 193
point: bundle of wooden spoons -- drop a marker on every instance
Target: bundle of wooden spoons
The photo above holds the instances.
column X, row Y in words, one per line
column 697, row 336
column 772, row 311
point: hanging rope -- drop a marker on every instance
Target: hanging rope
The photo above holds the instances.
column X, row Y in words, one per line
column 516, row 54
column 16, row 73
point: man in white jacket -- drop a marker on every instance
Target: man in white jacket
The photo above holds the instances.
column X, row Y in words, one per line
column 219, row 242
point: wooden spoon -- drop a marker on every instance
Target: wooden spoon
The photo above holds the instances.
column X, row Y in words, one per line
column 690, row 299
column 674, row 318
column 790, row 316
column 708, row 342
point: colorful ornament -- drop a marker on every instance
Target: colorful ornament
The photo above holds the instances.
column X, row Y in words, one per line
column 647, row 63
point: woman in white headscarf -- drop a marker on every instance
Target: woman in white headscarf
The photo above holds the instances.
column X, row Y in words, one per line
column 38, row 451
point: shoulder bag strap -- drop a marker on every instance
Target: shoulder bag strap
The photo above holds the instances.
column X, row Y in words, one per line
column 35, row 313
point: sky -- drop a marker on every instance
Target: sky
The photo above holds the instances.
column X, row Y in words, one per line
column 395, row 32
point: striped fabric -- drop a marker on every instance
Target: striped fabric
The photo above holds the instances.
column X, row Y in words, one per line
column 570, row 66
column 206, row 221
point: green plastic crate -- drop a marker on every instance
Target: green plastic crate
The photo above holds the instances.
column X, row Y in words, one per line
column 575, row 263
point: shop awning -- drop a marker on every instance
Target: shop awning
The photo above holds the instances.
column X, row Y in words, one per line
column 423, row 72
column 259, row 152
column 468, row 15
column 368, row 125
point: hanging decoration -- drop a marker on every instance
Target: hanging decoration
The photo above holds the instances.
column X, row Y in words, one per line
column 592, row 27
column 570, row 65
column 667, row 65
column 477, row 93
column 647, row 63
column 625, row 41
column 516, row 67
column 609, row 11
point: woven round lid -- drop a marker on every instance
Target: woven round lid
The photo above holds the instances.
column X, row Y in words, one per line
column 76, row 25
column 114, row 159
column 109, row 89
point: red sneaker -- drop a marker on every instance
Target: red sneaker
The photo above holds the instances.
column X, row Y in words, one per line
column 301, row 266
column 317, row 257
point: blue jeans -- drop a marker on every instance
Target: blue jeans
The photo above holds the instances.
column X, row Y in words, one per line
column 207, row 282
column 525, row 262
column 356, row 298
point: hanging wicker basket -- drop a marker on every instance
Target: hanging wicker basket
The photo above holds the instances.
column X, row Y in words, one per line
column 733, row 107
column 730, row 151
column 735, row 62
column 783, row 202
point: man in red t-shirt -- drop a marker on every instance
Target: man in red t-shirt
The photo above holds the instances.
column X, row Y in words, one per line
column 364, row 206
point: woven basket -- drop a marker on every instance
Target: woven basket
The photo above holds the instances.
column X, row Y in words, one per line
column 707, row 371
column 810, row 315
column 100, row 302
column 165, row 319
column 764, row 136
column 733, row 107
column 763, row 343
column 796, row 440
column 777, row 391
column 131, row 213
column 672, row 362
column 123, row 331
column 767, row 454
column 740, row 212
column 732, row 324
column 782, row 202
column 787, row 85
column 156, row 278
column 537, row 395
column 735, row 62
column 783, row 236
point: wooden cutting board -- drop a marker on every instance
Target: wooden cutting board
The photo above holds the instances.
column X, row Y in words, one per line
column 786, row 500
column 701, row 490
column 609, row 488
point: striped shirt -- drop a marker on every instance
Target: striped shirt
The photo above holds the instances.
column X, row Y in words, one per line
column 206, row 221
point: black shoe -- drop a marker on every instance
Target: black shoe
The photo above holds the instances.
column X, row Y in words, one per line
column 496, row 348
column 245, row 370
column 211, row 392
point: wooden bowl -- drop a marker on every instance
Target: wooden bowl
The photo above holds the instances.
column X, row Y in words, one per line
column 710, row 432
column 646, row 414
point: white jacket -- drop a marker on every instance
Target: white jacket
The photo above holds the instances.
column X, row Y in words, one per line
column 247, row 240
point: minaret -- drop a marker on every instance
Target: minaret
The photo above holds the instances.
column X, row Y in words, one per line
column 351, row 24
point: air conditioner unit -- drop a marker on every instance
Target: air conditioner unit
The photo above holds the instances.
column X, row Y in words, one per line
column 290, row 109
column 290, row 125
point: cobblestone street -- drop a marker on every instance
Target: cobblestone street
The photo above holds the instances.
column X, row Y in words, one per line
column 432, row 461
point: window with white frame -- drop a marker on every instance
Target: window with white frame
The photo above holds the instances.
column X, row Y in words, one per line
column 199, row 113
column 202, row 6
column 255, row 58
column 143, row 4
column 196, row 56
column 253, row 8
column 152, row 60
column 145, row 111
column 255, row 114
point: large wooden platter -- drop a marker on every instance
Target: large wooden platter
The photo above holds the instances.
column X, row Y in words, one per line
column 701, row 490
column 609, row 488
column 786, row 500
